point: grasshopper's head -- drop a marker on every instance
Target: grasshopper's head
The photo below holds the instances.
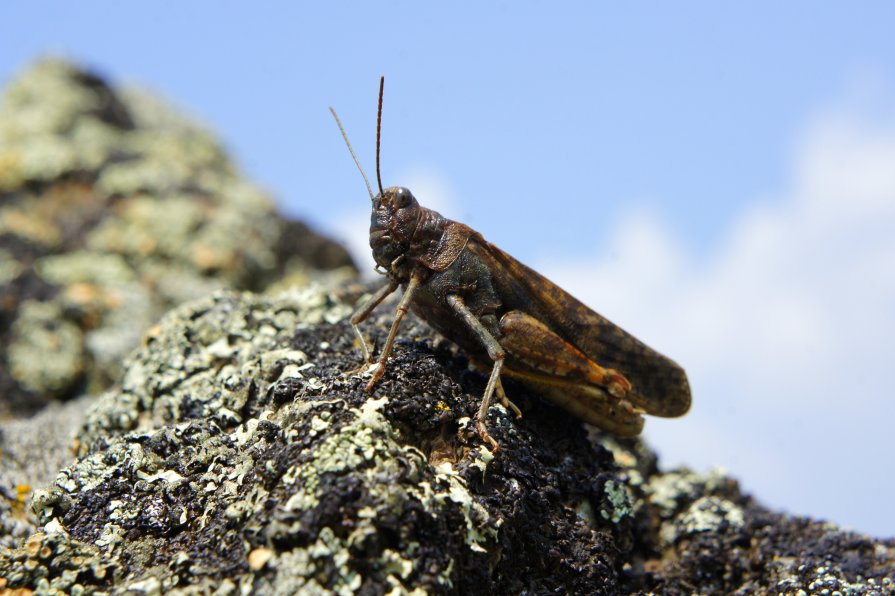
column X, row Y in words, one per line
column 393, row 222
column 396, row 213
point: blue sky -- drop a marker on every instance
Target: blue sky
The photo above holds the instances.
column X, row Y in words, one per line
column 714, row 177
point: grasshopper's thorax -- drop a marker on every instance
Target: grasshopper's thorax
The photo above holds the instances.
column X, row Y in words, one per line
column 405, row 236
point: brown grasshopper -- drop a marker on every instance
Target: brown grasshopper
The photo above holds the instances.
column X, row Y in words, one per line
column 509, row 319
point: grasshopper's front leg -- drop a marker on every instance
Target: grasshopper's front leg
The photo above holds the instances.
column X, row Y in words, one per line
column 497, row 355
column 402, row 309
column 361, row 314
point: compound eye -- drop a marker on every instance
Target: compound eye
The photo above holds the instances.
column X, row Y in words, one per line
column 403, row 198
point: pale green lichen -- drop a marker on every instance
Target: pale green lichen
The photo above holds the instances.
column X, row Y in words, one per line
column 43, row 100
column 95, row 141
column 585, row 511
column 104, row 290
column 481, row 527
column 830, row 581
column 366, row 448
column 103, row 269
column 706, row 514
column 231, row 341
column 126, row 209
column 49, row 127
column 10, row 267
column 618, row 503
column 57, row 564
column 628, row 458
column 211, row 356
column 150, row 586
column 670, row 491
column 46, row 354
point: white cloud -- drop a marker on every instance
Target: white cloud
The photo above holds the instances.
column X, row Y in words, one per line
column 787, row 331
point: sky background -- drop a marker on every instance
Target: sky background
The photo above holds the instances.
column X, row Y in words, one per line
column 717, row 178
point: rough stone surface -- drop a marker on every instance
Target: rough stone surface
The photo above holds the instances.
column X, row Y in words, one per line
column 33, row 452
column 113, row 209
column 237, row 453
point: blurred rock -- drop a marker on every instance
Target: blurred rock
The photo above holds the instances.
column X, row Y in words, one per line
column 113, row 209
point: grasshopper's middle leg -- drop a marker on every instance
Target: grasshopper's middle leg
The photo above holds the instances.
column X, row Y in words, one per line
column 497, row 354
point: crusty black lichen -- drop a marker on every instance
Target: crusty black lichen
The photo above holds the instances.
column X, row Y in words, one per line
column 700, row 533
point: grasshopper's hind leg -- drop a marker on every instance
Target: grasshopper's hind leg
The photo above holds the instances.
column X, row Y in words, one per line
column 546, row 352
column 501, row 394
column 496, row 353
column 565, row 375
column 499, row 390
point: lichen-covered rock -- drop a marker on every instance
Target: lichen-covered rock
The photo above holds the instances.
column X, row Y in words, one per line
column 113, row 209
column 237, row 454
column 236, row 449
column 52, row 563
column 699, row 533
column 33, row 452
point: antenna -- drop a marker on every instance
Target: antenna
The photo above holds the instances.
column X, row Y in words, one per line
column 351, row 150
column 378, row 133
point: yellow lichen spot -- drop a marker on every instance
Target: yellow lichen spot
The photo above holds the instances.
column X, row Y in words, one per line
column 147, row 246
column 34, row 544
column 22, row 492
column 94, row 298
column 210, row 258
column 26, row 226
column 11, row 174
column 259, row 557
column 152, row 334
column 83, row 293
column 441, row 406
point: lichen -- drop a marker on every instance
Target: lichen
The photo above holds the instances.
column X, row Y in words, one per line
column 52, row 563
column 153, row 465
column 46, row 352
column 619, row 502
column 706, row 514
column 115, row 210
column 673, row 491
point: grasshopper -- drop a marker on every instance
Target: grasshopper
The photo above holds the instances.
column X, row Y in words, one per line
column 511, row 321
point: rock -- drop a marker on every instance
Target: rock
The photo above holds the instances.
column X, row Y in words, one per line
column 236, row 432
column 236, row 454
column 34, row 450
column 113, row 209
